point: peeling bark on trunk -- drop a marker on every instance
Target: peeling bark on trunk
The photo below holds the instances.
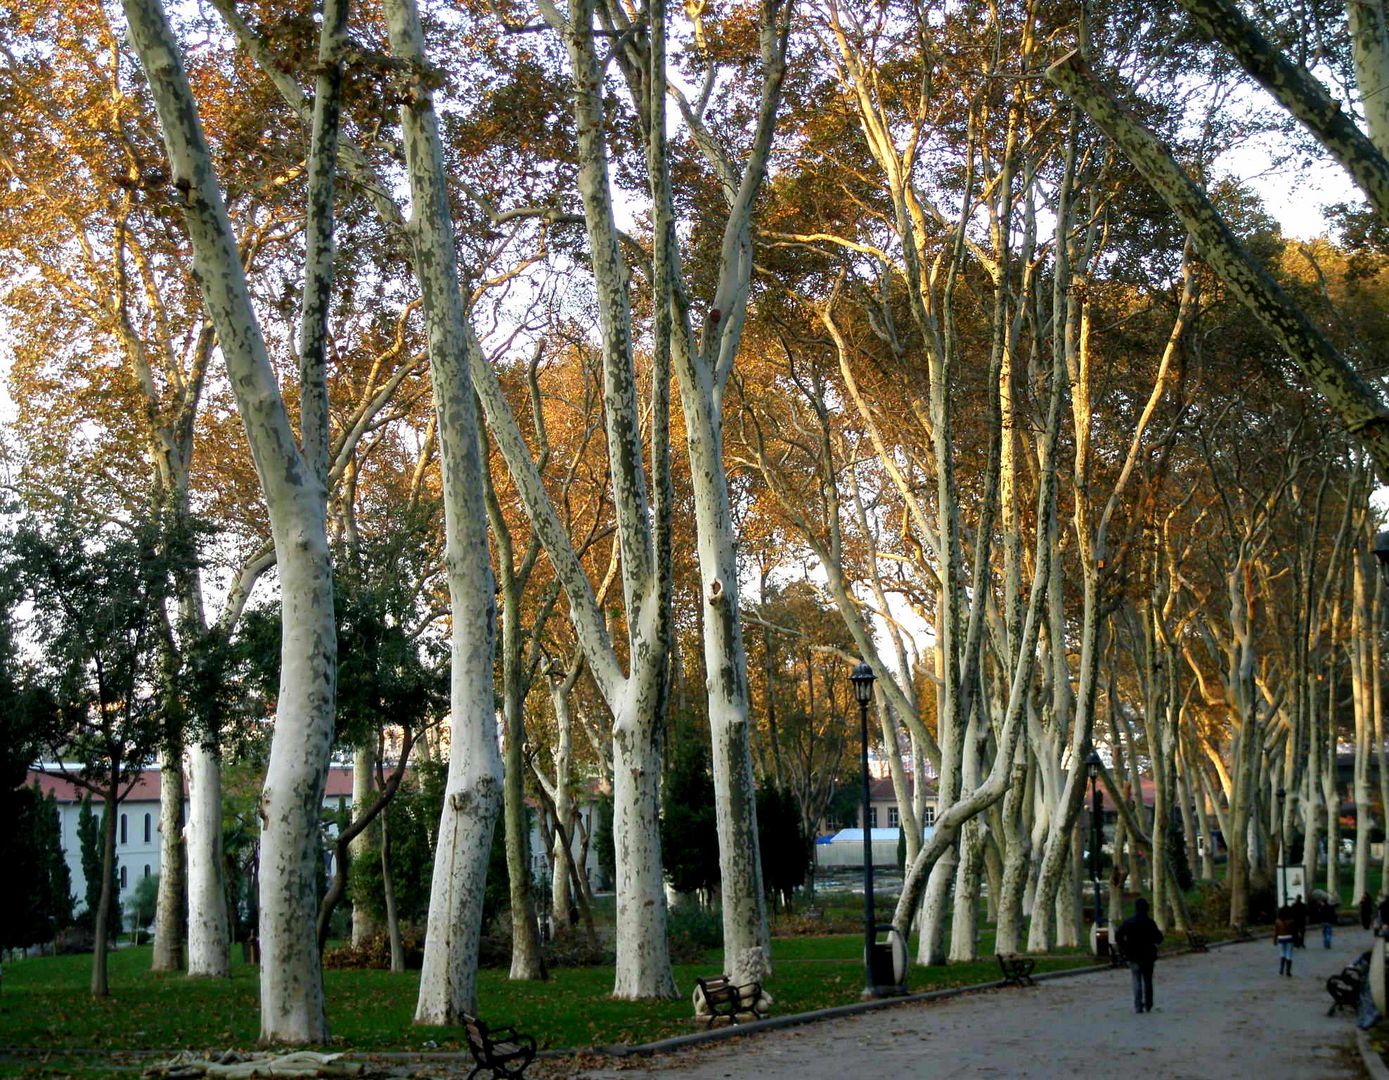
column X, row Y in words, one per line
column 472, row 793
column 168, row 924
column 209, row 937
column 365, row 926
column 291, row 980
column 643, row 956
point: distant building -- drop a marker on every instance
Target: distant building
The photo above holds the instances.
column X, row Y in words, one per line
column 137, row 823
column 882, row 805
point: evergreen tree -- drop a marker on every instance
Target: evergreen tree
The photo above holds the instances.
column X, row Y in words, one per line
column 689, row 828
column 89, row 848
column 36, row 901
column 603, row 849
column 1176, row 847
column 781, row 838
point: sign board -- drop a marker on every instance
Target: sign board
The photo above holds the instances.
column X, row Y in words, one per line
column 1289, row 884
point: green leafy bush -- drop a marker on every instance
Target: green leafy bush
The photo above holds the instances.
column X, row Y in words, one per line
column 692, row 930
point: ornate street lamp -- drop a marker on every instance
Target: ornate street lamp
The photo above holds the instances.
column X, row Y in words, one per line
column 1282, row 844
column 1382, row 554
column 1093, row 764
column 862, row 678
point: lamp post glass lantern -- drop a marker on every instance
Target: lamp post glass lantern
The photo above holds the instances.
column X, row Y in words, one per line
column 1382, row 554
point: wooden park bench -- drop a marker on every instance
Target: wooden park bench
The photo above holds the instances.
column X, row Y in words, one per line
column 503, row 1050
column 724, row 997
column 1197, row 942
column 1344, row 990
column 1017, row 970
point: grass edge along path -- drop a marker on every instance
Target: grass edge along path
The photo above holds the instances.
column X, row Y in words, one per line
column 623, row 1029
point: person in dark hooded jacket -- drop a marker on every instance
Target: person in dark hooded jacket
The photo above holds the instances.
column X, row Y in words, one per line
column 1138, row 939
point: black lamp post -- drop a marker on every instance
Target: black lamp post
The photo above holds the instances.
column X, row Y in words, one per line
column 862, row 678
column 1382, row 554
column 1092, row 766
column 1282, row 845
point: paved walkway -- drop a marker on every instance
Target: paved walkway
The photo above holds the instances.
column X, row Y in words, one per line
column 1223, row 1014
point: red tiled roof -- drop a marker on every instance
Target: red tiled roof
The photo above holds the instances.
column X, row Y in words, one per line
column 881, row 789
column 146, row 786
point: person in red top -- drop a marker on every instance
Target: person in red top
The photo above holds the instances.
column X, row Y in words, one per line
column 1283, row 938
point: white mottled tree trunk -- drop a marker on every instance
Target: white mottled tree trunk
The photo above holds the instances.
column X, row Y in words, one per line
column 964, row 926
column 561, row 896
column 292, row 1008
column 209, row 933
column 643, row 956
column 472, row 793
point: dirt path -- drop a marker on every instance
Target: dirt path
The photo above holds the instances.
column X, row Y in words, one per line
column 1219, row 1015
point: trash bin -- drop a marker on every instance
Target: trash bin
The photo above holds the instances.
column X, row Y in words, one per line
column 887, row 963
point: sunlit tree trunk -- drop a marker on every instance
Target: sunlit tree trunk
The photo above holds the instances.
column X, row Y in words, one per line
column 473, row 788
column 292, row 1008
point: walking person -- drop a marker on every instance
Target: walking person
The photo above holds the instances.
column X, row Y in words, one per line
column 1138, row 940
column 1299, row 914
column 1328, row 923
column 1367, row 911
column 1283, row 938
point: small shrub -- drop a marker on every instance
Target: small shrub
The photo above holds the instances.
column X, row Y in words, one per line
column 1209, row 904
column 494, row 950
column 570, row 948
column 74, row 939
column 375, row 952
column 693, row 930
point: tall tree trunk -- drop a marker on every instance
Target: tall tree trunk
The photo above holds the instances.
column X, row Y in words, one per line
column 643, row 957
column 473, row 789
column 291, row 980
column 527, row 957
column 168, row 924
column 101, row 934
column 209, row 936
column 365, row 926
column 388, row 891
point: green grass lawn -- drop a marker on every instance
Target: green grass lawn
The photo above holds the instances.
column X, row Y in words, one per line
column 45, row 1001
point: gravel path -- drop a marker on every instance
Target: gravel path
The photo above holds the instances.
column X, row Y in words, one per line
column 1223, row 1014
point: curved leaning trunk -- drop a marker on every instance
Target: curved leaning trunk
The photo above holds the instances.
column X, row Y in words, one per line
column 209, row 935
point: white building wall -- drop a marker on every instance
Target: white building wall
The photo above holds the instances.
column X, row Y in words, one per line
column 137, row 856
